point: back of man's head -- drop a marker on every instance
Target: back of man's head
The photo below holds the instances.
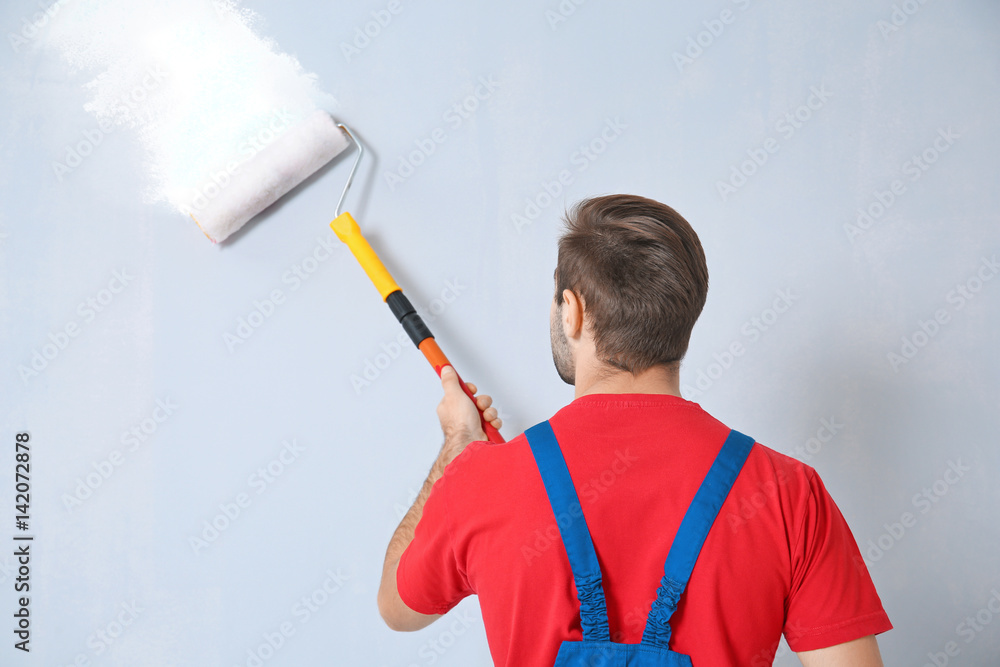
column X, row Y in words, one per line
column 640, row 271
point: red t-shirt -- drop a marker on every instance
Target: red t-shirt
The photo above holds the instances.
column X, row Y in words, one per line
column 779, row 559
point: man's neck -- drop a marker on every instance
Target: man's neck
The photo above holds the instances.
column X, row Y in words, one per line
column 655, row 380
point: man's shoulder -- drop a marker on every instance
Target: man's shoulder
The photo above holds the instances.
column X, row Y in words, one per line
column 783, row 462
column 798, row 483
column 485, row 473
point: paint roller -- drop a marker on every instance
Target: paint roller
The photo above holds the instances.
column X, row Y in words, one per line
column 271, row 173
column 280, row 166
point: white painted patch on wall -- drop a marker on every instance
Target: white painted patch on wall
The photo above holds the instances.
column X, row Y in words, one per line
column 203, row 92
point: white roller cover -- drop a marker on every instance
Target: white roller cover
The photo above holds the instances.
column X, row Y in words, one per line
column 268, row 175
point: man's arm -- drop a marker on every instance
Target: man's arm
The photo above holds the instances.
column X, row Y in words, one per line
column 861, row 652
column 460, row 423
column 394, row 611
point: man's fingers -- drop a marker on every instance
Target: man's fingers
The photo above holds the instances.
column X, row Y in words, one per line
column 471, row 387
column 484, row 401
column 490, row 414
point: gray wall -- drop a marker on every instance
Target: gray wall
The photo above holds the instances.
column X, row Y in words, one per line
column 899, row 83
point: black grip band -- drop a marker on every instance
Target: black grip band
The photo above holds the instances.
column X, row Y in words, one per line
column 414, row 326
column 399, row 304
column 407, row 315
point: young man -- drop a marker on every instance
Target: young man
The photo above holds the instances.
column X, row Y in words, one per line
column 631, row 280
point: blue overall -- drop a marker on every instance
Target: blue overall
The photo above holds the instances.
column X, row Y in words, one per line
column 597, row 649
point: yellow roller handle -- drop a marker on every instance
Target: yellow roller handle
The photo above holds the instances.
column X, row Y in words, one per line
column 348, row 231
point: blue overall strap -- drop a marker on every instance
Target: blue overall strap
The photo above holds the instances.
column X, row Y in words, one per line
column 691, row 535
column 573, row 529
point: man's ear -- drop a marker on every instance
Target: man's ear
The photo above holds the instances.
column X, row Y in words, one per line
column 572, row 314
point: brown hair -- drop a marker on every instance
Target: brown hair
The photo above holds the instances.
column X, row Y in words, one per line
column 641, row 273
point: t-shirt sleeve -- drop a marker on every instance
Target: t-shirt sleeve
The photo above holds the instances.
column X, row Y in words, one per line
column 832, row 599
column 429, row 578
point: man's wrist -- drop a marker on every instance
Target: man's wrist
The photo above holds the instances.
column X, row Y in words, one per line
column 461, row 438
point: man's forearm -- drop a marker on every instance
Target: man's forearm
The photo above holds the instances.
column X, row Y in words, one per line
column 452, row 447
column 861, row 652
column 393, row 610
column 408, row 526
column 460, row 422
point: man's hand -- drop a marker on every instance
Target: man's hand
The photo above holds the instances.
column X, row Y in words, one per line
column 460, row 418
